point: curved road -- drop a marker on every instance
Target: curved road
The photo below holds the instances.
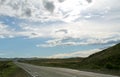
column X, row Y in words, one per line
column 41, row 71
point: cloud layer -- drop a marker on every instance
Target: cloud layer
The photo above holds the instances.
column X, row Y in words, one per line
column 41, row 10
column 5, row 31
column 77, row 34
column 75, row 54
column 63, row 10
column 82, row 33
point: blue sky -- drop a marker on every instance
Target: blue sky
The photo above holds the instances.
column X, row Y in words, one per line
column 58, row 28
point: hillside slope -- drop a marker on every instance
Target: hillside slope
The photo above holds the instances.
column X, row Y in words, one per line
column 106, row 59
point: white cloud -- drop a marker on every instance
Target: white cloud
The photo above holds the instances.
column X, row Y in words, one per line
column 5, row 31
column 46, row 10
column 85, row 41
column 77, row 34
column 82, row 33
column 73, row 30
column 75, row 54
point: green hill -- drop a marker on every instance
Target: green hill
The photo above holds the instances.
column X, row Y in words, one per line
column 106, row 59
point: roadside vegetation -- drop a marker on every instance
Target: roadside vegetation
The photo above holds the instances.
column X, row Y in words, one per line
column 106, row 61
column 6, row 68
column 9, row 69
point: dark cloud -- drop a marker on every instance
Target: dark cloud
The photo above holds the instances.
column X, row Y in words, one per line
column 61, row 0
column 2, row 1
column 49, row 6
column 34, row 34
column 62, row 30
column 89, row 1
column 27, row 12
column 15, row 6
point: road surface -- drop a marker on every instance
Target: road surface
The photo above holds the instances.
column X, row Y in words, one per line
column 41, row 71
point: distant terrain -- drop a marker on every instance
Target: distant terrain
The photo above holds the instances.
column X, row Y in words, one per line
column 106, row 61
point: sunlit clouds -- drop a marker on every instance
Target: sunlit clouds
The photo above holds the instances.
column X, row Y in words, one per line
column 55, row 25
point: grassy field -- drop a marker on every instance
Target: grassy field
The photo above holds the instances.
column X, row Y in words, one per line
column 9, row 69
column 106, row 61
column 67, row 63
column 70, row 63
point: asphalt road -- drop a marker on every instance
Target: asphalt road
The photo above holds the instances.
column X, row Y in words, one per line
column 40, row 71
